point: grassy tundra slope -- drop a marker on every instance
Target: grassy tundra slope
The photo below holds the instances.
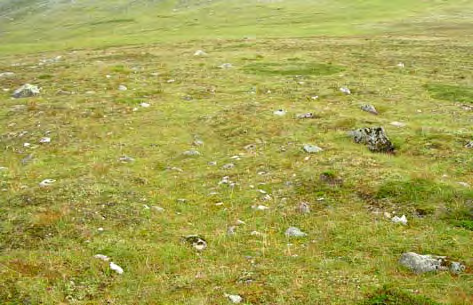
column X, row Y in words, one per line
column 59, row 24
column 136, row 212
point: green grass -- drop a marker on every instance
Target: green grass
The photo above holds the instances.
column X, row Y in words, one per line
column 48, row 236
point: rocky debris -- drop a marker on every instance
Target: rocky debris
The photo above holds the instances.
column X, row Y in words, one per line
column 308, row 115
column 6, row 74
column 250, row 147
column 400, row 220
column 126, row 159
column 234, row 298
column 330, row 179
column 145, row 105
column 260, row 207
column 212, row 163
column 369, row 108
column 116, row 268
column 64, row 92
column 374, row 138
column 401, row 65
column 102, row 257
column 198, row 142
column 304, row 208
column 228, row 166
column 427, row 263
column 27, row 159
column 45, row 140
column 50, row 60
column 191, row 153
column 294, row 232
column 196, row 241
column 200, row 53
column 47, row 182
column 226, row 180
column 26, row 90
column 345, row 90
column 469, row 144
column 226, row 66
column 158, row 208
column 398, row 124
column 312, row 149
column 280, row 112
column 122, row 88
column 231, row 230
column 256, row 233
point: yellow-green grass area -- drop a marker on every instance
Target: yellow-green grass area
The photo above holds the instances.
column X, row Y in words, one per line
column 99, row 205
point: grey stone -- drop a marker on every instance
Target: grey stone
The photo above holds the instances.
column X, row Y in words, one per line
column 26, row 90
column 308, row 115
column 226, row 66
column 312, row 149
column 126, row 159
column 469, row 144
column 196, row 241
column 369, row 108
column 228, row 166
column 304, row 208
column 294, row 232
column 7, row 74
column 191, row 153
column 374, row 138
column 429, row 263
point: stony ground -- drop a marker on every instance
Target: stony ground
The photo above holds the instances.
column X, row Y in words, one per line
column 125, row 187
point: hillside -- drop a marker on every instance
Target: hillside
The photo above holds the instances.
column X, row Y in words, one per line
column 158, row 125
column 59, row 24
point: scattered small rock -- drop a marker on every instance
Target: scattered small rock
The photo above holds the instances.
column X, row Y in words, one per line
column 280, row 112
column 196, row 242
column 126, row 159
column 47, row 182
column 398, row 124
column 294, row 232
column 312, row 149
column 6, row 74
column 260, row 207
column 304, row 208
column 373, row 137
column 228, row 166
column 401, row 220
column 231, row 230
column 26, row 90
column 191, row 153
column 45, row 140
column 200, row 53
column 102, row 257
column 469, row 144
column 253, row 147
column 122, row 88
column 345, row 90
column 234, row 298
column 330, row 179
column 116, row 268
column 145, row 105
column 428, row 263
column 158, row 208
column 308, row 115
column 369, row 108
column 401, row 65
column 226, row 66
column 198, row 142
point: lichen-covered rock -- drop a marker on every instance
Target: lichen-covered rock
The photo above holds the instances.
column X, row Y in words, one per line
column 429, row 263
column 312, row 149
column 26, row 90
column 196, row 241
column 369, row 108
column 373, row 137
column 294, row 232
